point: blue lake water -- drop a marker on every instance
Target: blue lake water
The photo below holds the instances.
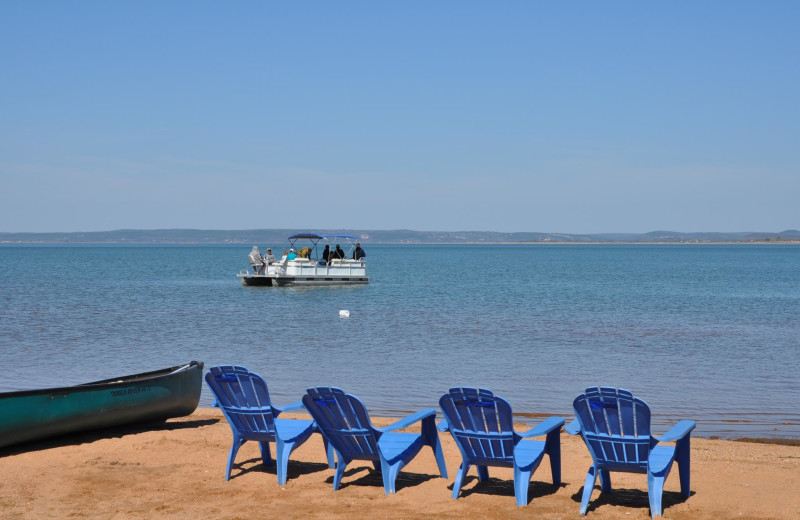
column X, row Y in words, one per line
column 704, row 332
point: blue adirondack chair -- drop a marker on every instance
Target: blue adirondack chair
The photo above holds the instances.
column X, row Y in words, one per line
column 616, row 428
column 244, row 399
column 343, row 420
column 481, row 423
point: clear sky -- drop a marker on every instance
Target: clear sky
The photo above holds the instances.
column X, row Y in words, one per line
column 574, row 117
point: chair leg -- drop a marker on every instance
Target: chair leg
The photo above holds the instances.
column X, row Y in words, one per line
column 655, row 489
column 684, row 471
column 522, row 480
column 483, row 473
column 337, row 475
column 389, row 474
column 283, row 450
column 588, row 487
column 329, row 452
column 237, row 443
column 605, row 481
column 553, row 449
column 462, row 472
column 266, row 455
column 431, row 438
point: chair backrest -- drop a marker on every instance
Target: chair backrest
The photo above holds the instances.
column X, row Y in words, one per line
column 343, row 420
column 244, row 399
column 255, row 257
column 616, row 428
column 481, row 424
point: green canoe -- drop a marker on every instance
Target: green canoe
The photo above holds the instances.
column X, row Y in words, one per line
column 149, row 397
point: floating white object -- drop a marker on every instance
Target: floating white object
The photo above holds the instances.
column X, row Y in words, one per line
column 344, row 313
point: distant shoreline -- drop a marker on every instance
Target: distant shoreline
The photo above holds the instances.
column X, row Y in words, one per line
column 396, row 237
column 539, row 243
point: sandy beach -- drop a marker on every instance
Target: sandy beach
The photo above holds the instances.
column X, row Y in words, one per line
column 177, row 471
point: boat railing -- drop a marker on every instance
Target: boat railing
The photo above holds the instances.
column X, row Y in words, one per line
column 346, row 262
column 306, row 267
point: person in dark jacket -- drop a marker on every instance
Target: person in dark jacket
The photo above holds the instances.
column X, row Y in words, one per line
column 339, row 253
column 359, row 253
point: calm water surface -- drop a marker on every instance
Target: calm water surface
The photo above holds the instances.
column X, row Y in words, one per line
column 704, row 332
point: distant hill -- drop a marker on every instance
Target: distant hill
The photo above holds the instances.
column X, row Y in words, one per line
column 401, row 236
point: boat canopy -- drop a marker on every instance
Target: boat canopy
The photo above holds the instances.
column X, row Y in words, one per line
column 315, row 239
column 308, row 236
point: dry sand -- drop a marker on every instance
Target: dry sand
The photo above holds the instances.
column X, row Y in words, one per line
column 177, row 471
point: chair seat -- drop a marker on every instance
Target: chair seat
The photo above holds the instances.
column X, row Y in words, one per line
column 528, row 454
column 398, row 445
column 661, row 459
column 290, row 429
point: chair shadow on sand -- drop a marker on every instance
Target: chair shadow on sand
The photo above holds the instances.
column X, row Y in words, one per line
column 114, row 432
column 256, row 465
column 505, row 487
column 633, row 498
column 373, row 478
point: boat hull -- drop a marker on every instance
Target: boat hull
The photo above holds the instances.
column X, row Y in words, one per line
column 139, row 398
column 287, row 281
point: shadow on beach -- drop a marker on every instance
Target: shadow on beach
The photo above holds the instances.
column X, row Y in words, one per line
column 505, row 488
column 633, row 498
column 373, row 478
column 256, row 465
column 74, row 439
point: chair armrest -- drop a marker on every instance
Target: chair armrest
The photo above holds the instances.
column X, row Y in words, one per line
column 549, row 424
column 408, row 421
column 443, row 426
column 289, row 407
column 677, row 432
column 573, row 428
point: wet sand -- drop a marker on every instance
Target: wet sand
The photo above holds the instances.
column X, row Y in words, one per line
column 177, row 471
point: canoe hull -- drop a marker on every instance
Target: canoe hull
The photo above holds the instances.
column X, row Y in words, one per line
column 140, row 398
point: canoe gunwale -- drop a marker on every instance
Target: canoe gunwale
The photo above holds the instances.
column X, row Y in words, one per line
column 114, row 381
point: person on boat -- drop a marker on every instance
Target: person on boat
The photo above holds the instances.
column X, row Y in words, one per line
column 269, row 258
column 292, row 255
column 304, row 252
column 359, row 253
column 339, row 253
column 326, row 255
column 256, row 260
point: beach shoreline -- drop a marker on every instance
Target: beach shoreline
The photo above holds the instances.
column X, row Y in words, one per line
column 176, row 470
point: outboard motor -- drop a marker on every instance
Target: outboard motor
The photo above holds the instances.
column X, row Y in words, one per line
column 256, row 260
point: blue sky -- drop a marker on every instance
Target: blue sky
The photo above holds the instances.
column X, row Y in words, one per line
column 574, row 117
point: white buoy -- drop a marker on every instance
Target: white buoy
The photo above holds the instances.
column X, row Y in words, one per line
column 344, row 313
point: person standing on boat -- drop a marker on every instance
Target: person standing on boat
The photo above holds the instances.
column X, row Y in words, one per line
column 359, row 253
column 326, row 255
column 339, row 253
